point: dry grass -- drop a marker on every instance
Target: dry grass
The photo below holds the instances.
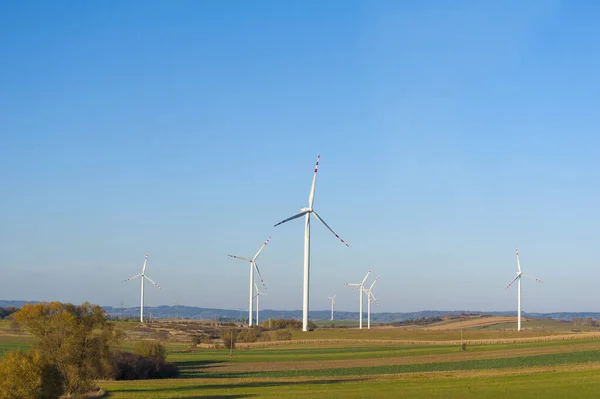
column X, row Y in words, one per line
column 471, row 322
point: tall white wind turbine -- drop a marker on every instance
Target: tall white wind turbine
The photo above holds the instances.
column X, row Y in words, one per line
column 257, row 296
column 332, row 305
column 360, row 288
column 309, row 211
column 370, row 299
column 253, row 266
column 518, row 280
column 143, row 276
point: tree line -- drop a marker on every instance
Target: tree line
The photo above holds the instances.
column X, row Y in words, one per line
column 5, row 312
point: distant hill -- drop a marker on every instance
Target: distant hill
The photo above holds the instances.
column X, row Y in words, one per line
column 197, row 313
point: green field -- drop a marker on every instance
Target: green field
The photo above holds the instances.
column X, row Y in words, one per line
column 542, row 362
column 8, row 343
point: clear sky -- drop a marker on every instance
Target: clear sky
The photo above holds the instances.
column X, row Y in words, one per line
column 449, row 132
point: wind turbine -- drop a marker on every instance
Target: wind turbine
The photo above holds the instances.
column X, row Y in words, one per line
column 518, row 280
column 143, row 276
column 253, row 266
column 332, row 305
column 257, row 296
column 360, row 289
column 308, row 211
column 370, row 298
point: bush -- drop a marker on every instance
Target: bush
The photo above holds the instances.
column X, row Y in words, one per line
column 25, row 375
column 131, row 366
column 278, row 335
column 229, row 337
column 196, row 339
column 249, row 335
column 151, row 349
column 279, row 324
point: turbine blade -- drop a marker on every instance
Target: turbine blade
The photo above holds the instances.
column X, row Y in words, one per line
column 292, row 218
column 131, row 278
column 152, row 281
column 259, row 275
column 533, row 278
column 311, row 196
column 261, row 248
column 367, row 275
column 330, row 229
column 518, row 261
column 373, row 299
column 513, row 280
column 239, row 257
column 145, row 261
column 371, row 287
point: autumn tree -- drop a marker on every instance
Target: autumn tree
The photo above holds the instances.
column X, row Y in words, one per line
column 75, row 339
column 26, row 375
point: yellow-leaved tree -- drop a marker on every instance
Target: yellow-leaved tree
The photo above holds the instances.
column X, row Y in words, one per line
column 74, row 339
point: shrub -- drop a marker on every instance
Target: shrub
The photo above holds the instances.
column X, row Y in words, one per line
column 131, row 366
column 278, row 324
column 207, row 339
column 249, row 335
column 278, row 335
column 229, row 337
column 25, row 375
column 152, row 349
column 196, row 339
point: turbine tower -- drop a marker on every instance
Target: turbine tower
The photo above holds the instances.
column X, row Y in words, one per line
column 518, row 280
column 253, row 266
column 370, row 298
column 360, row 288
column 332, row 305
column 257, row 296
column 143, row 276
column 309, row 211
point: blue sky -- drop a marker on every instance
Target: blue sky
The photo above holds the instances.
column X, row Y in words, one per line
column 449, row 132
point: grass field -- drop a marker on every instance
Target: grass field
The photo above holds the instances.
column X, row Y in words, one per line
column 376, row 364
column 544, row 361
